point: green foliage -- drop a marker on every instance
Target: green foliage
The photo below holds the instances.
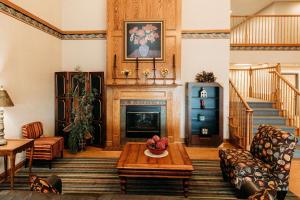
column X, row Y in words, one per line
column 82, row 114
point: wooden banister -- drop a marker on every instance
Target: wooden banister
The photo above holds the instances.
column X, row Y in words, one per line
column 286, row 82
column 240, row 118
column 265, row 30
column 266, row 83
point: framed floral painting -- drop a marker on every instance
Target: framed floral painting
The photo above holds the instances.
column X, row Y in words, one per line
column 144, row 39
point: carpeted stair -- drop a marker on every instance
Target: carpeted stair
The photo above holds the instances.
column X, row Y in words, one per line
column 92, row 176
column 264, row 113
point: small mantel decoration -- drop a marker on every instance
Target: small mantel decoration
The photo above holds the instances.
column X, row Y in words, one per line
column 207, row 77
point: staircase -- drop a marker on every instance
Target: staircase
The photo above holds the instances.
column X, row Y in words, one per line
column 261, row 95
column 264, row 113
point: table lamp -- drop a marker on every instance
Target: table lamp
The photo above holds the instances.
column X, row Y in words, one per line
column 5, row 101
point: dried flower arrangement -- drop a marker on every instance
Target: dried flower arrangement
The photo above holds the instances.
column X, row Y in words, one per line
column 205, row 77
column 164, row 72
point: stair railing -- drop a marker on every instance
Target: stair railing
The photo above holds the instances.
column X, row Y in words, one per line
column 255, row 82
column 265, row 30
column 288, row 101
column 240, row 118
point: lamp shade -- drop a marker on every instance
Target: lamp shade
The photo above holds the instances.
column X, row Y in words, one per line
column 5, row 100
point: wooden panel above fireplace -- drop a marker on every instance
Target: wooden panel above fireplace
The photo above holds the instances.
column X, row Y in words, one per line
column 118, row 11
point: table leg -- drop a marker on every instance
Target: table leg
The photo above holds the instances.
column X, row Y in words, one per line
column 5, row 167
column 185, row 187
column 123, row 182
column 12, row 170
column 30, row 161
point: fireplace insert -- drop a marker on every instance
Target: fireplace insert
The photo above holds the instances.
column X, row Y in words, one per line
column 143, row 121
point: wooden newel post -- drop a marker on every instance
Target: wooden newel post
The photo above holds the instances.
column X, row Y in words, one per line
column 251, row 82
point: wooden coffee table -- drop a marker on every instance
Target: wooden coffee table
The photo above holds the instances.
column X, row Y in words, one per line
column 133, row 163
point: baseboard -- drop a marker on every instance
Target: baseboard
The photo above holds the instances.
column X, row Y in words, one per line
column 17, row 167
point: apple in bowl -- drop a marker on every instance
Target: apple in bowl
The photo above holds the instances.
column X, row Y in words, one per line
column 157, row 145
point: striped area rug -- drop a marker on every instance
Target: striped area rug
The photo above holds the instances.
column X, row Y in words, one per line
column 92, row 176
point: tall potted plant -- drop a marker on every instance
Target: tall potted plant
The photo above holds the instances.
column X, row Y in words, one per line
column 81, row 128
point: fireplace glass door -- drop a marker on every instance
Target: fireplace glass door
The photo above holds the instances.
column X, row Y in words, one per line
column 143, row 121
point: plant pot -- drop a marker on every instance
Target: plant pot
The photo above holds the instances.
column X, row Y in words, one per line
column 82, row 145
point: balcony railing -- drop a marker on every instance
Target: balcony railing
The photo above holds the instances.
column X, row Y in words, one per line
column 265, row 30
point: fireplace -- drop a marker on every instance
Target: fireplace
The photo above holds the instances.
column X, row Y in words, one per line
column 141, row 119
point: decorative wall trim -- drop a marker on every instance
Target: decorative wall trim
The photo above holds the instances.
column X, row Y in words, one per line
column 206, row 34
column 265, row 48
column 20, row 14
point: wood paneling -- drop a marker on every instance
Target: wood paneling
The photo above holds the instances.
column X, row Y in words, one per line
column 116, row 94
column 119, row 11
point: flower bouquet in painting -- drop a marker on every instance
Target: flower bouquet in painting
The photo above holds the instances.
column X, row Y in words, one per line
column 157, row 145
column 143, row 40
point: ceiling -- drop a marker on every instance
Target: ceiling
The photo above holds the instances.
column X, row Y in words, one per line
column 250, row 7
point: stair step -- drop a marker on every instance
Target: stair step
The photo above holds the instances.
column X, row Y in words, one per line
column 284, row 128
column 265, row 112
column 271, row 120
column 253, row 104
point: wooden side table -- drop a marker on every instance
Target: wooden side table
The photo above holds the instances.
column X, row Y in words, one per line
column 13, row 147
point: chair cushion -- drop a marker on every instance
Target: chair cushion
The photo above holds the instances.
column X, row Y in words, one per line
column 242, row 167
column 32, row 130
column 47, row 140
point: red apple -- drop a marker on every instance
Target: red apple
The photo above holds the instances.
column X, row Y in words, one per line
column 160, row 145
column 150, row 142
column 156, row 138
column 165, row 141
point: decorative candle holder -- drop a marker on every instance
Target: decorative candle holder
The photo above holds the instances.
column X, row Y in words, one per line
column 146, row 74
column 164, row 73
column 126, row 73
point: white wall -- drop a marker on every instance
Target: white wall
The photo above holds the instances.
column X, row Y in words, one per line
column 283, row 8
column 83, row 15
column 80, row 15
column 206, row 54
column 90, row 55
column 248, row 7
column 28, row 60
column 47, row 10
column 205, row 15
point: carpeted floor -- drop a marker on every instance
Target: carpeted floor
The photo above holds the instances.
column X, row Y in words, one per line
column 93, row 176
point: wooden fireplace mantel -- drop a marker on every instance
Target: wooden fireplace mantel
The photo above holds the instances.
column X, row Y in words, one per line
column 116, row 93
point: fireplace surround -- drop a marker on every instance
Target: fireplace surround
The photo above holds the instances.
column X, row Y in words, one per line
column 168, row 97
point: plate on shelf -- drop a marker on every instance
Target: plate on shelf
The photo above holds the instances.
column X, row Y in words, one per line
column 148, row 153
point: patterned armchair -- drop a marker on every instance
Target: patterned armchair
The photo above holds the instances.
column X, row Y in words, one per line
column 45, row 148
column 52, row 184
column 267, row 164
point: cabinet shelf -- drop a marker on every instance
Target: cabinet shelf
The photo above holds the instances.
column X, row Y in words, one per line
column 212, row 126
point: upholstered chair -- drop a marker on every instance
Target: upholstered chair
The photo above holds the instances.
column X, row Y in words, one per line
column 52, row 184
column 45, row 148
column 267, row 164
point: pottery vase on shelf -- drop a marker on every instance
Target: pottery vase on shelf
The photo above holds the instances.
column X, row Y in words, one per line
column 144, row 50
